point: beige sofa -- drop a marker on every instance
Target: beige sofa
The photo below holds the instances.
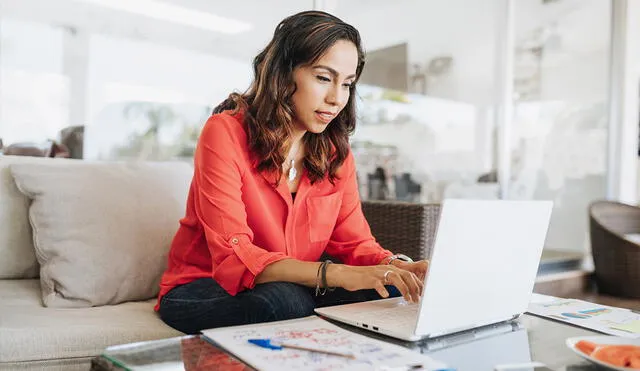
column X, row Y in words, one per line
column 82, row 246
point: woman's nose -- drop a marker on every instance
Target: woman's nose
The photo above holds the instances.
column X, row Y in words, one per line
column 337, row 96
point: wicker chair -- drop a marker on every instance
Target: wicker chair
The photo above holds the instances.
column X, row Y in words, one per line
column 404, row 228
column 616, row 258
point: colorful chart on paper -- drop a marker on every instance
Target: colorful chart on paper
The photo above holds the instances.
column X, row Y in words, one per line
column 609, row 320
column 315, row 332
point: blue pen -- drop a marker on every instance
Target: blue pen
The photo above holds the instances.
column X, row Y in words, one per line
column 277, row 345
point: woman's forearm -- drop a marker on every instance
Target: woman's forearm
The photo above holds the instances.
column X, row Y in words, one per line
column 297, row 271
column 351, row 278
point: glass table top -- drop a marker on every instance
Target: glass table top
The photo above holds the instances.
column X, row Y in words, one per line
column 526, row 339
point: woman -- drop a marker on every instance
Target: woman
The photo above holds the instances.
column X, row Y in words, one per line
column 274, row 187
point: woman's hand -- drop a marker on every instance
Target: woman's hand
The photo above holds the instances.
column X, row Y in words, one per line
column 354, row 278
column 419, row 268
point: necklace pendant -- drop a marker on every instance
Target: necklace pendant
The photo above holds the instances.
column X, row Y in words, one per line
column 292, row 172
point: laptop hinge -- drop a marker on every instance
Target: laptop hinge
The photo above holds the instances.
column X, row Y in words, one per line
column 472, row 327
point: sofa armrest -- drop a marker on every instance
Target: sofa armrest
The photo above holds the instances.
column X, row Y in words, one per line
column 404, row 228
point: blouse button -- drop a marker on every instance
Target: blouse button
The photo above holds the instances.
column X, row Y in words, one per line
column 234, row 241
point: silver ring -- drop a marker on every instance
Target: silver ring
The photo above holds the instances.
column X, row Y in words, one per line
column 386, row 274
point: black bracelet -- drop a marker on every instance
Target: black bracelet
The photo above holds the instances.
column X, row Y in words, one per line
column 318, row 279
column 324, row 276
column 321, row 276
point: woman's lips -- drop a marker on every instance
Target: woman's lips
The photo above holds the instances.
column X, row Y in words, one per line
column 325, row 117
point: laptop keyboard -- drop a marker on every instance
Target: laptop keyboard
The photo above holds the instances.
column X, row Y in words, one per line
column 399, row 316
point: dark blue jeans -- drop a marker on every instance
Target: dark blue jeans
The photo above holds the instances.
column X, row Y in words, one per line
column 203, row 304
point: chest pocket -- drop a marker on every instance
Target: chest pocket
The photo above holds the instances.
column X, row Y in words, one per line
column 323, row 214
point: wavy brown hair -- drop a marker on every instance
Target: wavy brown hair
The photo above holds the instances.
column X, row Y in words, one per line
column 299, row 40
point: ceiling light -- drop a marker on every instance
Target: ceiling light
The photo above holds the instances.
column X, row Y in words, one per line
column 176, row 14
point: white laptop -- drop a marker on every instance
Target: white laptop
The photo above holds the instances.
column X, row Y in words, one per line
column 482, row 271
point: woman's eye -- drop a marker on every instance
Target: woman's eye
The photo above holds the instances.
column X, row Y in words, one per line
column 322, row 78
column 347, row 86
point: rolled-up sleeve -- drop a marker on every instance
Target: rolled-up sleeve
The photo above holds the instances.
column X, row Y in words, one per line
column 351, row 240
column 222, row 213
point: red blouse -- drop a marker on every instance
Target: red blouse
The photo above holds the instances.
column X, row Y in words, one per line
column 237, row 222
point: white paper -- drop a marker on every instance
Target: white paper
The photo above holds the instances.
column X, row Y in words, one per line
column 313, row 331
column 539, row 298
column 609, row 320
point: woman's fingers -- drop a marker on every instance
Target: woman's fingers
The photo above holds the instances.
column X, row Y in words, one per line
column 395, row 278
column 424, row 268
column 382, row 291
column 419, row 283
column 417, row 273
column 413, row 285
column 415, row 279
column 407, row 282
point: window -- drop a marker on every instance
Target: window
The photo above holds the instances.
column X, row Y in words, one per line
column 33, row 87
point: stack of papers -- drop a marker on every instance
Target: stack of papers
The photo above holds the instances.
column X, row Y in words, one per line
column 315, row 332
column 609, row 320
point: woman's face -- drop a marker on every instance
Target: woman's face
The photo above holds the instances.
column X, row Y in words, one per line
column 322, row 88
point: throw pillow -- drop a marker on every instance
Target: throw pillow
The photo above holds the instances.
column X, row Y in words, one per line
column 102, row 230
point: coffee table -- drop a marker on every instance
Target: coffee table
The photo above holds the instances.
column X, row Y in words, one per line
column 529, row 338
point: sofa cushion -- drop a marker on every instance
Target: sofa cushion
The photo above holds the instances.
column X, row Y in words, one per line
column 16, row 244
column 102, row 230
column 32, row 332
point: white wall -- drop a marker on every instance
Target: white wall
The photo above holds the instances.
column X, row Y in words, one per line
column 468, row 31
column 462, row 29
